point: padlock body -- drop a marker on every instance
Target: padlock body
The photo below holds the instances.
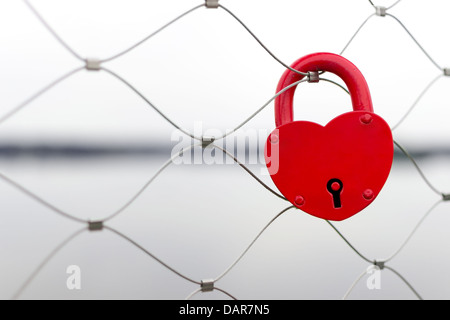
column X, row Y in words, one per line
column 355, row 148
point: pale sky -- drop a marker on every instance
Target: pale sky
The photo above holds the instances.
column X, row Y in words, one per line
column 206, row 67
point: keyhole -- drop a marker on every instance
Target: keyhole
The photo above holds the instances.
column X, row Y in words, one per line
column 334, row 186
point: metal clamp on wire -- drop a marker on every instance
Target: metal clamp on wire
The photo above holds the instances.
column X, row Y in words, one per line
column 93, row 64
column 212, row 4
column 379, row 264
column 380, row 11
column 446, row 197
column 447, row 72
column 206, row 141
column 207, row 285
column 95, row 225
column 313, row 76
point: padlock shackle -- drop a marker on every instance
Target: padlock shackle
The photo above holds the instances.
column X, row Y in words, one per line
column 322, row 61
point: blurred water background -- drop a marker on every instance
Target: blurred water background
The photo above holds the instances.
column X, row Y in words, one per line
column 198, row 219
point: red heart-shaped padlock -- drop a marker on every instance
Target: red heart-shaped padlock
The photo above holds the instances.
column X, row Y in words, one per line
column 330, row 172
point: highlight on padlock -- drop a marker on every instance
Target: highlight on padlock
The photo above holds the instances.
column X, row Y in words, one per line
column 271, row 155
column 334, row 171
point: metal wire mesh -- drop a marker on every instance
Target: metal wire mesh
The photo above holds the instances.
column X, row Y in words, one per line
column 100, row 65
